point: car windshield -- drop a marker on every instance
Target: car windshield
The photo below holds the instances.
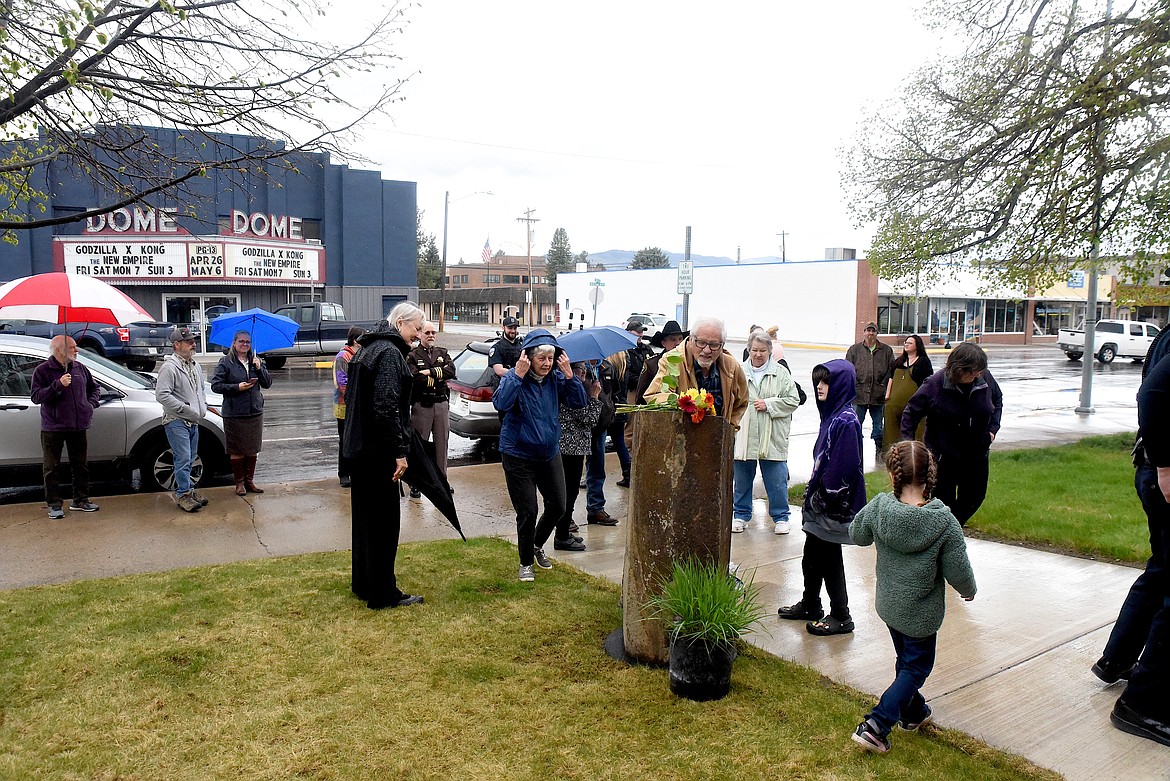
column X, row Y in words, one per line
column 124, row 375
column 470, row 365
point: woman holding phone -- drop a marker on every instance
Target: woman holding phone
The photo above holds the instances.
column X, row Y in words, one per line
column 236, row 378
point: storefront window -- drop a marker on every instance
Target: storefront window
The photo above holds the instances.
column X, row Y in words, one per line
column 896, row 315
column 1003, row 316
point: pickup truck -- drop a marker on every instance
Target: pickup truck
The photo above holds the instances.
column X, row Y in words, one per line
column 136, row 346
column 1113, row 338
column 321, row 330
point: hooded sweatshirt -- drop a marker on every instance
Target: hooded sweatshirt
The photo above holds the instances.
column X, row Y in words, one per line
column 836, row 488
column 181, row 390
column 531, row 428
column 917, row 549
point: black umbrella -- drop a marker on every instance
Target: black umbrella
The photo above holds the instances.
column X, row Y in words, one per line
column 423, row 474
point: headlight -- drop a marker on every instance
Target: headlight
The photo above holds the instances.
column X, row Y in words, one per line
column 215, row 411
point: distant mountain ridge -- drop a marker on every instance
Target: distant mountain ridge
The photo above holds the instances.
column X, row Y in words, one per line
column 615, row 259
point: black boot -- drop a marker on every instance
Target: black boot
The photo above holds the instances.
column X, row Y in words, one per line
column 625, row 481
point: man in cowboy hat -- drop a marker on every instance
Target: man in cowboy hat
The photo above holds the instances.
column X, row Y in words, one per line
column 667, row 339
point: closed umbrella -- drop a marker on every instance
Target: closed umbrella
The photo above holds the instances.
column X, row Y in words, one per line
column 268, row 331
column 423, row 474
column 595, row 344
column 68, row 298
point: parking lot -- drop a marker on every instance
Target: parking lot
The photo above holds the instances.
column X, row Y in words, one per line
column 1040, row 385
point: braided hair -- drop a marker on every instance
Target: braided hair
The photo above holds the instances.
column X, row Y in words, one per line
column 910, row 463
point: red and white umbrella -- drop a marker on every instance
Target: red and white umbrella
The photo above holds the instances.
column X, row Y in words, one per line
column 68, row 298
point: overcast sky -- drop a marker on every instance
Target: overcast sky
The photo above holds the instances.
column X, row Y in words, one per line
column 624, row 122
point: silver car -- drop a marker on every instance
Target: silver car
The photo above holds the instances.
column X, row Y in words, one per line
column 127, row 431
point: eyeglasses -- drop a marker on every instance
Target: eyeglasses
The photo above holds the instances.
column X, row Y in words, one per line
column 703, row 345
column 243, row 341
column 430, row 333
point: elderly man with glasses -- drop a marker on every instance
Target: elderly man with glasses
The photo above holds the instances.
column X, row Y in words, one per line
column 707, row 366
column 430, row 368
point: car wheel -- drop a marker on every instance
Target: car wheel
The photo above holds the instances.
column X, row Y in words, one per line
column 1074, row 356
column 158, row 468
column 275, row 362
column 92, row 346
column 140, row 366
column 1107, row 354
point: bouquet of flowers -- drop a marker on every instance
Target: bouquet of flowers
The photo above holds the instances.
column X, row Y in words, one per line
column 694, row 402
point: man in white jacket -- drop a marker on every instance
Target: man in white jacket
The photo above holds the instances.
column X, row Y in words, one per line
column 181, row 391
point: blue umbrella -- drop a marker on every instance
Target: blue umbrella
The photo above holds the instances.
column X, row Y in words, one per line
column 268, row 331
column 597, row 343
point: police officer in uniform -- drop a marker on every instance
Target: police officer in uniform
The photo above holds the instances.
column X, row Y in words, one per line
column 506, row 351
column 430, row 368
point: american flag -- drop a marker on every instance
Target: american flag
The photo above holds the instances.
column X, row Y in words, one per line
column 487, row 250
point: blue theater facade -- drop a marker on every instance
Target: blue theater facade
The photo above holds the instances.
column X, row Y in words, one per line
column 228, row 242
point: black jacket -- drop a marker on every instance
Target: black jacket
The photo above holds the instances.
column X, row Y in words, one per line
column 430, row 389
column 229, row 373
column 1153, row 408
column 377, row 398
column 957, row 424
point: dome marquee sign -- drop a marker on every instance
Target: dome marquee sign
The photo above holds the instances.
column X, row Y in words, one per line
column 141, row 244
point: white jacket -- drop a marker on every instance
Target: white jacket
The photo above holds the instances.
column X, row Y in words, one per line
column 764, row 435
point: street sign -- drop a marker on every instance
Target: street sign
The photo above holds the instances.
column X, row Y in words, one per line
column 686, row 277
column 597, row 283
column 596, row 296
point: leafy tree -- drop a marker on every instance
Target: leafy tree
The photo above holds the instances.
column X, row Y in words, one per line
column 430, row 262
column 559, row 257
column 1044, row 143
column 650, row 257
column 78, row 78
column 582, row 257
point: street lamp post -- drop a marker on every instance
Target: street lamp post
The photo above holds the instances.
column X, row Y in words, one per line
column 443, row 273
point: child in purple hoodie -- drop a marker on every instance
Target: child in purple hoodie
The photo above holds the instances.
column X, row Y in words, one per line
column 835, row 493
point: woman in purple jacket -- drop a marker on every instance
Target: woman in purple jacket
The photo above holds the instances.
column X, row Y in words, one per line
column 835, row 493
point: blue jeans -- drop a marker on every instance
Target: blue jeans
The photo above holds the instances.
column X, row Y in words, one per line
column 1142, row 631
column 902, row 700
column 775, row 474
column 184, row 442
column 595, row 470
column 877, row 414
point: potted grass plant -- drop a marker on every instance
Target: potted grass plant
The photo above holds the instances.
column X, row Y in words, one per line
column 706, row 611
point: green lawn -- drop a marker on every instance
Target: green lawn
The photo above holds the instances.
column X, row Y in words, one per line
column 1076, row 498
column 272, row 670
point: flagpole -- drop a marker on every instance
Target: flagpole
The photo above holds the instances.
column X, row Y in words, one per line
column 442, row 272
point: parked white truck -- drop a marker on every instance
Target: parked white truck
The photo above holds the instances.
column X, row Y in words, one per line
column 1113, row 338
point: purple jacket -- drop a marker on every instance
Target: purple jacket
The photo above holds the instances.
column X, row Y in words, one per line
column 64, row 409
column 836, row 488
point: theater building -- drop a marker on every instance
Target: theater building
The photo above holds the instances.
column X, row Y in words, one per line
column 228, row 242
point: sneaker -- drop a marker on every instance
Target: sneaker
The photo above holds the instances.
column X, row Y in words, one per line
column 569, row 543
column 56, row 513
column 188, row 502
column 415, row 493
column 526, row 575
column 542, row 561
column 783, row 527
column 866, row 736
column 911, row 726
column 203, row 500
column 737, row 525
column 345, row 481
column 84, row 506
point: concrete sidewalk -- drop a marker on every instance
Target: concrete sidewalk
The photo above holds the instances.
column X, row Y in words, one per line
column 1013, row 666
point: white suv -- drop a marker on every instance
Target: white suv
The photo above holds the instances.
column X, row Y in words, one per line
column 126, row 432
column 653, row 322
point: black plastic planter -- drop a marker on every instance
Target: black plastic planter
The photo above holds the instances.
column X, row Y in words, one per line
column 700, row 671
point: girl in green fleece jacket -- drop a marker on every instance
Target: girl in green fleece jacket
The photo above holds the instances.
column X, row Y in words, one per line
column 919, row 545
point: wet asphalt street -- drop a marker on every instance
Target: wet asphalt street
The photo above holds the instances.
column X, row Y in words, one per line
column 1040, row 387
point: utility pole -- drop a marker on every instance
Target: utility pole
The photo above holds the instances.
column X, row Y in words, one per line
column 443, row 273
column 686, row 306
column 783, row 246
column 529, row 219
